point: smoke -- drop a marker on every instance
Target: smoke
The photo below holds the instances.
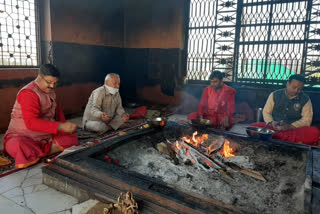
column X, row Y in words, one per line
column 189, row 100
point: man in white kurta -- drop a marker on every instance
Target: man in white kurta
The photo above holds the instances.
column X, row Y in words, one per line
column 104, row 110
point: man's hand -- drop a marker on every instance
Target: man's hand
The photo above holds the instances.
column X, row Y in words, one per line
column 275, row 124
column 225, row 122
column 125, row 117
column 68, row 127
column 285, row 126
column 104, row 117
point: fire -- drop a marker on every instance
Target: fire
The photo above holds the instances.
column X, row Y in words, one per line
column 227, row 150
column 178, row 145
column 195, row 140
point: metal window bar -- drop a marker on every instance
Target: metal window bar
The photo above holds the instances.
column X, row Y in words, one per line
column 254, row 41
column 19, row 33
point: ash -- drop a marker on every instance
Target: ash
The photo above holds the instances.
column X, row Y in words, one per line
column 284, row 169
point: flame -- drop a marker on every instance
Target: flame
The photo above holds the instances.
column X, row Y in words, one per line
column 178, row 145
column 195, row 140
column 178, row 149
column 227, row 150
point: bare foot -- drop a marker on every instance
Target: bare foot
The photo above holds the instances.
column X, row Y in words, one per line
column 54, row 149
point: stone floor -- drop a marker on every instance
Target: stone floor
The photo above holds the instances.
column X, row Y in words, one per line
column 24, row 192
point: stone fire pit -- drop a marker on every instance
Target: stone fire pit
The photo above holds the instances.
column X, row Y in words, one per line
column 162, row 184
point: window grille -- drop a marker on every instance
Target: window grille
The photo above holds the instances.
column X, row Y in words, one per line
column 19, row 40
column 254, row 41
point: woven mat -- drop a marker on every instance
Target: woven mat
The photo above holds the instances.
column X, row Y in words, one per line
column 84, row 137
column 6, row 163
column 8, row 169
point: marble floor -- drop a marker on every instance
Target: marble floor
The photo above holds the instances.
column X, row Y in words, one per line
column 24, row 193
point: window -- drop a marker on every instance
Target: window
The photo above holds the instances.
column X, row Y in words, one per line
column 254, row 41
column 19, row 45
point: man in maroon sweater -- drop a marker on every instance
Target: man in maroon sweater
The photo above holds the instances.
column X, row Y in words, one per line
column 38, row 127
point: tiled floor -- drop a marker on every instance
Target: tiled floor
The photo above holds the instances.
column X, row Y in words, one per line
column 23, row 192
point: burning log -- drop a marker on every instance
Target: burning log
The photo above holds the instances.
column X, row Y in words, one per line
column 167, row 150
column 219, row 156
column 187, row 152
column 214, row 147
column 195, row 140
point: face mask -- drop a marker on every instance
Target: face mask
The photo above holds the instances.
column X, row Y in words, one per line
column 112, row 90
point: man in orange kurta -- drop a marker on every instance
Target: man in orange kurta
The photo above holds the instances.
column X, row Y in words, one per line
column 38, row 127
column 217, row 103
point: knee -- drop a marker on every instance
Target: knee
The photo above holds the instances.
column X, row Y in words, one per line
column 74, row 137
column 13, row 145
column 96, row 126
column 101, row 127
column 315, row 131
column 193, row 115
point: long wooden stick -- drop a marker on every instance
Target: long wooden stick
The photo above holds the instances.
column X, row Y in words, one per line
column 252, row 173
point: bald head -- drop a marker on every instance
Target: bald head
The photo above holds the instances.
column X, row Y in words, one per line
column 111, row 75
column 112, row 80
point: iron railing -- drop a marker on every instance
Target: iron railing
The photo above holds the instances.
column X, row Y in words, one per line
column 254, row 41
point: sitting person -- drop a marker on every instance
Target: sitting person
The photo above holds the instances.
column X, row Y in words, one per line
column 217, row 103
column 38, row 127
column 104, row 110
column 290, row 112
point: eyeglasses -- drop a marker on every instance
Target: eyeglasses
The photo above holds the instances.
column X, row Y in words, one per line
column 49, row 82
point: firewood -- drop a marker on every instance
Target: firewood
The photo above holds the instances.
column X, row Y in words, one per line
column 215, row 146
column 166, row 149
column 225, row 174
column 249, row 172
column 253, row 174
column 243, row 162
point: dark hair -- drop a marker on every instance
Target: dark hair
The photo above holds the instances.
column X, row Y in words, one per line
column 49, row 70
column 297, row 77
column 216, row 74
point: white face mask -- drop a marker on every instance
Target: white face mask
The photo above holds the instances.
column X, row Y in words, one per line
column 112, row 90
